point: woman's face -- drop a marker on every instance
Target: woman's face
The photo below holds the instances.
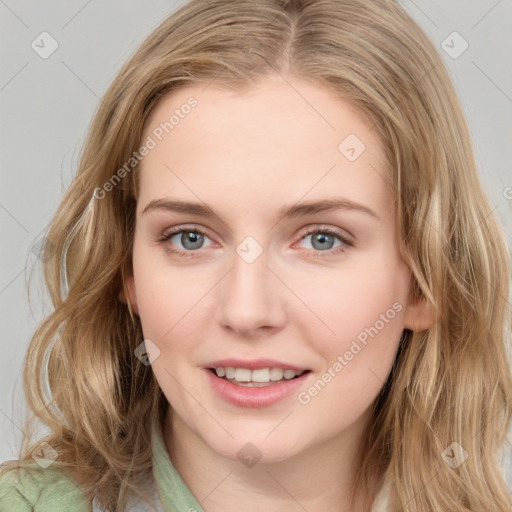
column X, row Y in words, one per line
column 266, row 276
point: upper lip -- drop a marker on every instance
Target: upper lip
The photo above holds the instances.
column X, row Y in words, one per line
column 254, row 364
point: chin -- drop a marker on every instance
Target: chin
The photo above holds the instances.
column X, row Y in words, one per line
column 257, row 449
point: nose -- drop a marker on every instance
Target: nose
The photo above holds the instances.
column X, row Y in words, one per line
column 251, row 298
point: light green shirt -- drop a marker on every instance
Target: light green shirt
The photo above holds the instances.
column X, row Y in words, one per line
column 36, row 489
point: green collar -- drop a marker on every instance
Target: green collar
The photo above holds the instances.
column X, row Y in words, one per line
column 174, row 493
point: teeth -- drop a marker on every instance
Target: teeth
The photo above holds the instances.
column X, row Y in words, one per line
column 289, row 374
column 242, row 375
column 260, row 375
column 276, row 374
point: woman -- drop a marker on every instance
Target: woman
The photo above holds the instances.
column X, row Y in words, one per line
column 261, row 366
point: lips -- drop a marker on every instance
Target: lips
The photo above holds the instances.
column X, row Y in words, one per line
column 252, row 394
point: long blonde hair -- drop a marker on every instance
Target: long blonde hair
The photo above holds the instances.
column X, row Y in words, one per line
column 451, row 383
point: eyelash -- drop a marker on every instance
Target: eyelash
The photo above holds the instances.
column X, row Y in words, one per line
column 317, row 254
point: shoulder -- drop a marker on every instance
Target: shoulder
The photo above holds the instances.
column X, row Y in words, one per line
column 25, row 485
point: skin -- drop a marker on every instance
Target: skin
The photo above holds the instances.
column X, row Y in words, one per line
column 247, row 154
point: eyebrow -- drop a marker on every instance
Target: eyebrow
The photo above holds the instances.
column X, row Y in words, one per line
column 294, row 211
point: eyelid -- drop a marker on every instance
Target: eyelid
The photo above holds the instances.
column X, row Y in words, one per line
column 335, row 231
column 185, row 227
column 175, row 230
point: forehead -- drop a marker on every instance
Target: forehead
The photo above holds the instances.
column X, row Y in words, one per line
column 282, row 134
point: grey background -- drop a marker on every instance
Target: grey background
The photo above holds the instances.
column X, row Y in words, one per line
column 47, row 105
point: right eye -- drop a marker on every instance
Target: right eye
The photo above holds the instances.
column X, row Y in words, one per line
column 191, row 239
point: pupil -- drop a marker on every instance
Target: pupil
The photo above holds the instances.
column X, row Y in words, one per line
column 322, row 238
column 193, row 238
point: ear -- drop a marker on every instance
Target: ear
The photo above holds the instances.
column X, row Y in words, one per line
column 128, row 293
column 419, row 314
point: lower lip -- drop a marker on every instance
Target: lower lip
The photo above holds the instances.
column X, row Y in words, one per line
column 253, row 397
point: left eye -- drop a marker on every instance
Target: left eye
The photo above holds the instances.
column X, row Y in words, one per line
column 322, row 240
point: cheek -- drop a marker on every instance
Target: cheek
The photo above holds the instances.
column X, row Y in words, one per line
column 157, row 295
column 362, row 321
column 351, row 300
column 365, row 311
column 162, row 308
column 169, row 298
